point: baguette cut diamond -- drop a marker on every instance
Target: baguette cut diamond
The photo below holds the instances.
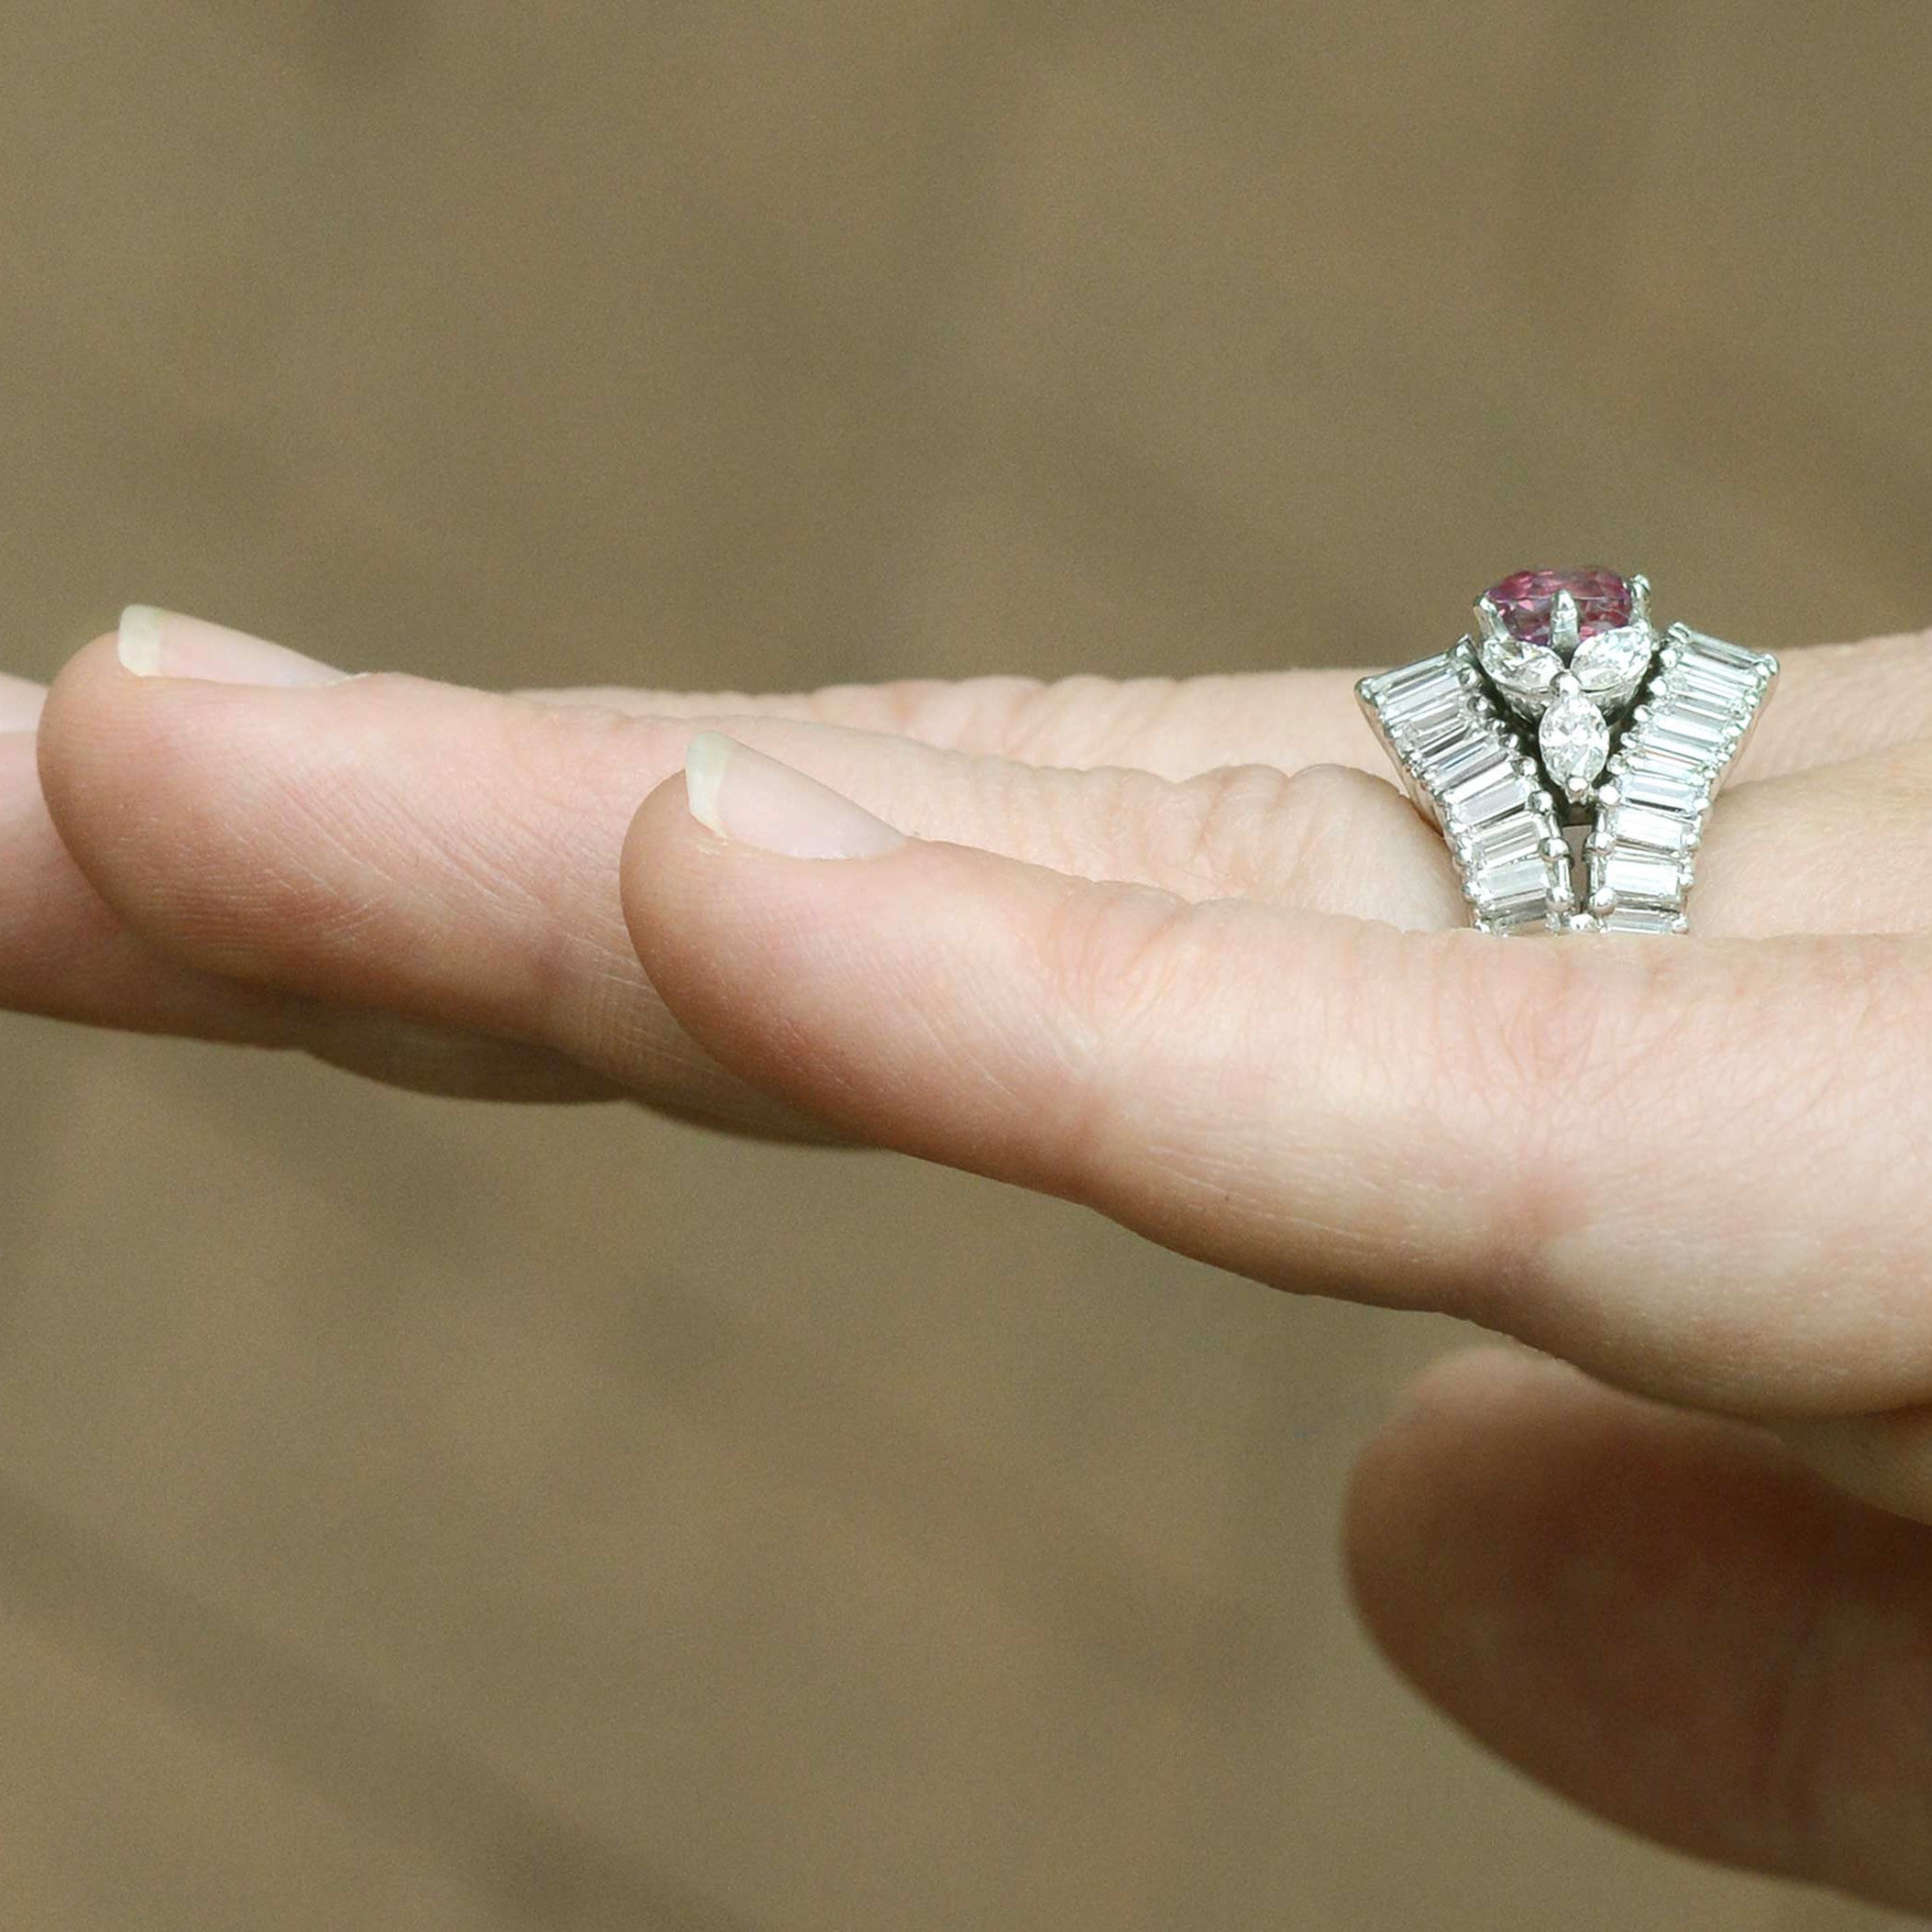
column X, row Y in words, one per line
column 1479, row 800
column 1474, row 756
column 1732, row 655
column 1642, row 877
column 1419, row 688
column 1680, row 728
column 1516, row 836
column 1520, row 882
column 1428, row 732
column 1707, row 682
column 1642, row 786
column 1632, row 824
column 1636, row 919
column 1645, row 757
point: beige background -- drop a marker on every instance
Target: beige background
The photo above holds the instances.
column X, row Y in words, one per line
column 436, row 1517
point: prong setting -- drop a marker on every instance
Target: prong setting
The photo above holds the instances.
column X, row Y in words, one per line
column 1566, row 626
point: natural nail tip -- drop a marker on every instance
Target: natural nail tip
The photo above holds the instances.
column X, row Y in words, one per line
column 758, row 801
column 21, row 704
column 139, row 641
column 153, row 643
column 704, row 762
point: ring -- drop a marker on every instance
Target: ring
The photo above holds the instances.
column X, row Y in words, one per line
column 1569, row 753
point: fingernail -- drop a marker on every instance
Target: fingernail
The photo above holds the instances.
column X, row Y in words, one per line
column 161, row 644
column 751, row 800
column 20, row 705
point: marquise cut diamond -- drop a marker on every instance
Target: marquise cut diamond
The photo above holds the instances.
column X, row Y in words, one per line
column 1526, row 671
column 1576, row 741
column 1613, row 660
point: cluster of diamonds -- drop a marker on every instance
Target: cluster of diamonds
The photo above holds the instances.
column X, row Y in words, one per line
column 1567, row 709
column 1467, row 770
column 1652, row 805
column 1567, row 651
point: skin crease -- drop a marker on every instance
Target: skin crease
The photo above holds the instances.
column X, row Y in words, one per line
column 459, row 890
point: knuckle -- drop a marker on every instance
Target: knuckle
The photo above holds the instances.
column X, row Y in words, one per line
column 1122, row 961
column 973, row 714
column 1252, row 831
column 1111, row 953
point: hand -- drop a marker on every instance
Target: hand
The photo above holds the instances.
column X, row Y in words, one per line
column 1698, row 1169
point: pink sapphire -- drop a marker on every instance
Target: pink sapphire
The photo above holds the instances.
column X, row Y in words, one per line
column 1602, row 602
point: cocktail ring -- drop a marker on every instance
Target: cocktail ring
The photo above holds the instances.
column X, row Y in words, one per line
column 1569, row 753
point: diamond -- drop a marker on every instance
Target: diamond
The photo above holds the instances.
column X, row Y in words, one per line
column 1680, row 731
column 1629, row 920
column 1644, row 826
column 1661, row 790
column 1613, row 660
column 1516, row 885
column 1603, row 602
column 1694, row 714
column 1520, row 836
column 1429, row 731
column 1641, row 760
column 1485, row 797
column 1576, row 742
column 1477, row 752
column 1732, row 655
column 1524, row 670
column 1417, row 688
column 1531, row 916
column 1712, row 684
column 1642, row 878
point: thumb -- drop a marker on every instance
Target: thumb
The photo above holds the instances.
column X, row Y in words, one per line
column 1660, row 1615
column 1323, row 1103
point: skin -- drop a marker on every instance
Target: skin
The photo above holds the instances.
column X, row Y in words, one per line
column 1683, row 1575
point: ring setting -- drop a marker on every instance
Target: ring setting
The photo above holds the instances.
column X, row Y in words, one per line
column 1570, row 753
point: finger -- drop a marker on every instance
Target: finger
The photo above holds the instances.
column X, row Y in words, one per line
column 1174, row 728
column 66, row 955
column 1838, row 848
column 1833, row 703
column 1885, row 1459
column 63, row 954
column 21, row 704
column 451, row 857
column 1661, row 1617
column 1249, row 832
column 1579, row 1143
column 1840, row 702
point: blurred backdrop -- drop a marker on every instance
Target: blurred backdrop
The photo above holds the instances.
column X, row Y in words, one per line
column 467, row 1520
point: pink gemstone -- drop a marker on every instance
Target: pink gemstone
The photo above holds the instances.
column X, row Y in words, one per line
column 1602, row 602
